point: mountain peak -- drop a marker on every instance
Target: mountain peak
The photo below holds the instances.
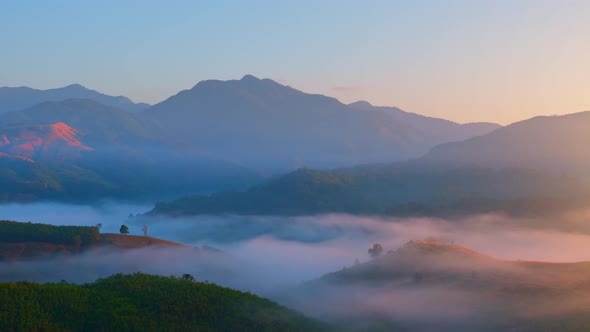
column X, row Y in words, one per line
column 249, row 77
column 76, row 86
column 361, row 103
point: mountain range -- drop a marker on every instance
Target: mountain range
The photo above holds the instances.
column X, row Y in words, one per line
column 218, row 135
column 231, row 135
column 537, row 166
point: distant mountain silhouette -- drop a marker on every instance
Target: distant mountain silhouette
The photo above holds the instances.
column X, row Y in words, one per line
column 430, row 128
column 553, row 143
column 263, row 124
column 18, row 98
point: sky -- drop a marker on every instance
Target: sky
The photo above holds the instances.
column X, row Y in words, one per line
column 464, row 60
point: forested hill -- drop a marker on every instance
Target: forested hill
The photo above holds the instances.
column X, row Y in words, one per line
column 141, row 302
column 24, row 240
column 391, row 190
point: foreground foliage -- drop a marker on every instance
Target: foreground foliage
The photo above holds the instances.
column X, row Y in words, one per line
column 142, row 302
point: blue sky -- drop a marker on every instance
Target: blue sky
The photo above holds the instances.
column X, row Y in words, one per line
column 465, row 60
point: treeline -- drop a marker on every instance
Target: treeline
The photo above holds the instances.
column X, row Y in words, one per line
column 12, row 231
column 142, row 302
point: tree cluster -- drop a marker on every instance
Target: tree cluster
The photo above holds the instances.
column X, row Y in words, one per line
column 12, row 231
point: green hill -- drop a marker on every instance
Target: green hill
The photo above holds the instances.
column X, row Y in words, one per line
column 142, row 302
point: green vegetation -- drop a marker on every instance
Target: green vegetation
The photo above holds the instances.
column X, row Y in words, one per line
column 21, row 180
column 124, row 229
column 12, row 231
column 141, row 302
column 392, row 190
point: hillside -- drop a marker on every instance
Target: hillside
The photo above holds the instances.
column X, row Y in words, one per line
column 20, row 241
column 52, row 142
column 99, row 124
column 142, row 302
column 520, row 169
column 393, row 191
column 428, row 285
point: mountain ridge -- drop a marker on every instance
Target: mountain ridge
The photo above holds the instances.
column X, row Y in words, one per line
column 17, row 98
column 282, row 128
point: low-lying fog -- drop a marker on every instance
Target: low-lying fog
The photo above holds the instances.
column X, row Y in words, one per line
column 265, row 253
column 294, row 249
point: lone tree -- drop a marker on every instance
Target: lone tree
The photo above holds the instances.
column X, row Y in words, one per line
column 144, row 229
column 124, row 229
column 376, row 250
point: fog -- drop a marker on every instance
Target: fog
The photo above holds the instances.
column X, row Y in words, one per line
column 303, row 248
column 266, row 255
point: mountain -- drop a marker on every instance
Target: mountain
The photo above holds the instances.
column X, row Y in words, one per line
column 84, row 150
column 434, row 286
column 17, row 98
column 56, row 141
column 531, row 167
column 263, row 124
column 99, row 124
column 553, row 143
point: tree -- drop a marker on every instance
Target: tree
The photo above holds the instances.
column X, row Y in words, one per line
column 144, row 229
column 376, row 250
column 99, row 226
column 124, row 229
column 188, row 277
